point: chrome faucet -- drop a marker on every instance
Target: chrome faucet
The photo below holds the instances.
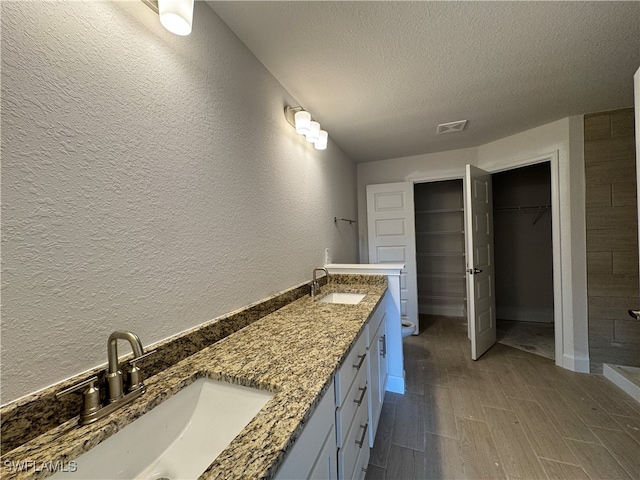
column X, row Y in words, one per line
column 315, row 285
column 93, row 410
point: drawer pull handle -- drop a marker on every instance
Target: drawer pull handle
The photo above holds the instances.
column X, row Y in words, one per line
column 364, row 392
column 383, row 346
column 364, row 434
column 361, row 357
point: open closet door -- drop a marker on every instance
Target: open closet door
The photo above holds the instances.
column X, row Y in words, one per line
column 480, row 262
column 392, row 237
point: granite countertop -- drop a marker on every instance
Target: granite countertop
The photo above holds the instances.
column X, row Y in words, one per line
column 293, row 352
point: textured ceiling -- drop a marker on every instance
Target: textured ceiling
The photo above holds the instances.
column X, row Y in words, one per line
column 380, row 76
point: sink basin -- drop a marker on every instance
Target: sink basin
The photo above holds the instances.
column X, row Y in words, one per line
column 179, row 438
column 343, row 297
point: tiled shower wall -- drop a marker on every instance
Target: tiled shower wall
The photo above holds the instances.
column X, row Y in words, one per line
column 612, row 238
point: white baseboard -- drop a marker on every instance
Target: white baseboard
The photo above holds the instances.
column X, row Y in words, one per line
column 395, row 384
column 576, row 364
column 627, row 378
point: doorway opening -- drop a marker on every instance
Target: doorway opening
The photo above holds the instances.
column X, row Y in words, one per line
column 523, row 251
column 523, row 255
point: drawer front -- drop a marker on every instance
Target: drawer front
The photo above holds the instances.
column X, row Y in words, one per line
column 357, row 439
column 352, row 365
column 356, row 398
column 362, row 463
column 374, row 322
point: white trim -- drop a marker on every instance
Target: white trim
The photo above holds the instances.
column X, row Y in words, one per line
column 576, row 364
column 396, row 384
column 562, row 360
column 365, row 268
column 626, row 378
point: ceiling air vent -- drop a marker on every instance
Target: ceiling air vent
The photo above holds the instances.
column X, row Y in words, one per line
column 451, row 127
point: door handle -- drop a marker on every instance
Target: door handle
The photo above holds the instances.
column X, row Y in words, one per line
column 474, row 271
column 634, row 314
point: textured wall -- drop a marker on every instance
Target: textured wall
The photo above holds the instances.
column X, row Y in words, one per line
column 612, row 238
column 149, row 183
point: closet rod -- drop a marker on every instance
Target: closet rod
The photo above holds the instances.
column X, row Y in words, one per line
column 529, row 207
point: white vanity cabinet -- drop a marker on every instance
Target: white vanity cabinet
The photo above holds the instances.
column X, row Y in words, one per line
column 335, row 443
column 376, row 365
column 314, row 455
column 352, row 412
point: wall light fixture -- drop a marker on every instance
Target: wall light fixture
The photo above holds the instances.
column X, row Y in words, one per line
column 175, row 15
column 301, row 120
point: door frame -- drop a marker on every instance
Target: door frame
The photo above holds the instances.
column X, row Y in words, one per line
column 554, row 163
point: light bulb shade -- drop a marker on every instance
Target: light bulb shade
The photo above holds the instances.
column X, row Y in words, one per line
column 176, row 15
column 314, row 132
column 321, row 143
column 303, row 122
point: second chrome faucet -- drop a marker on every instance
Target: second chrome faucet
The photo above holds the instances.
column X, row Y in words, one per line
column 116, row 397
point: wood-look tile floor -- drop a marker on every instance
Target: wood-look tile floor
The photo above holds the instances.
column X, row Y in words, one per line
column 510, row 414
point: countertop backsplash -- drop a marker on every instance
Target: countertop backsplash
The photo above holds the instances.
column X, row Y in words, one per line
column 31, row 416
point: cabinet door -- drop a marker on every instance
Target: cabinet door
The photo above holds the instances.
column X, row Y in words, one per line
column 315, row 446
column 378, row 376
column 326, row 467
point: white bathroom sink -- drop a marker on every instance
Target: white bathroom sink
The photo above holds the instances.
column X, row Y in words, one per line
column 178, row 439
column 343, row 297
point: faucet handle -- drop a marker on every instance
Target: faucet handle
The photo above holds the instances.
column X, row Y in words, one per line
column 135, row 375
column 90, row 396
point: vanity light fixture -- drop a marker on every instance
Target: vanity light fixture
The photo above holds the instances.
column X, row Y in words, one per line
column 175, row 15
column 301, row 120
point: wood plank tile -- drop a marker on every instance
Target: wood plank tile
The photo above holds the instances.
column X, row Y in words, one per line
column 518, row 458
column 631, row 425
column 589, row 411
column 440, row 421
column 465, row 401
column 510, row 383
column 479, row 453
column 489, row 390
column 613, row 399
column 382, row 442
column 563, row 471
column 375, row 473
column 563, row 417
column 597, row 461
column 405, row 463
column 622, row 447
column 542, row 434
column 528, row 373
column 443, row 458
column 408, row 430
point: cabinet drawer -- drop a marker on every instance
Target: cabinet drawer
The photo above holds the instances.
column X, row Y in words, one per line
column 357, row 439
column 353, row 363
column 356, row 398
column 374, row 322
column 362, row 462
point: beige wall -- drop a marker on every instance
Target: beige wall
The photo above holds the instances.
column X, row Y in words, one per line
column 612, row 241
column 150, row 183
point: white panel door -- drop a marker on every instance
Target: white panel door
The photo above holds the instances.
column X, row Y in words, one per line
column 392, row 238
column 480, row 264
